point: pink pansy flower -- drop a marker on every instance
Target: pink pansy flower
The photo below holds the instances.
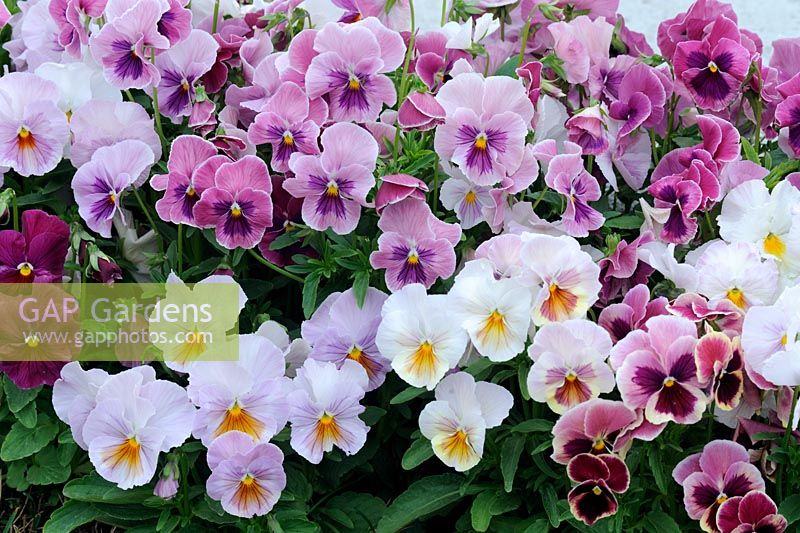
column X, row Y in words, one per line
column 596, row 426
column 238, row 205
column 531, row 74
column 569, row 364
column 623, row 269
column 415, row 246
column 566, row 175
column 285, row 124
column 341, row 330
column 74, row 396
column 420, row 111
column 396, row 188
column 632, row 314
column 487, row 120
column 247, row 477
column 33, row 130
column 656, row 371
column 580, row 43
column 99, row 184
column 722, row 471
column 712, row 69
column 787, row 113
column 350, row 68
column 720, row 364
column 681, row 198
column 697, row 308
column 37, row 253
column 247, row 395
column 324, row 409
column 181, row 67
column 334, row 185
column 103, row 123
column 587, row 129
column 641, row 99
column 434, row 59
column 72, row 17
column 469, row 201
column 123, row 46
column 136, row 417
column 691, row 25
column 598, row 478
column 193, row 161
column 754, row 512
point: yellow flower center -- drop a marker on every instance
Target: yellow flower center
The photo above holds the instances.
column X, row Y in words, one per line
column 236, row 211
column 25, row 269
column 238, row 419
column 599, row 445
column 571, row 376
column 481, row 142
column 773, row 245
column 597, row 491
column 25, row 139
column 423, row 361
column 354, row 84
column 669, row 382
column 722, row 498
column 288, row 140
column 713, row 67
column 355, row 354
column 413, row 258
column 736, row 296
column 127, row 453
column 69, row 115
column 326, row 419
column 185, row 86
column 471, row 198
column 784, row 340
column 248, row 480
column 190, row 192
column 332, row 190
column 112, row 198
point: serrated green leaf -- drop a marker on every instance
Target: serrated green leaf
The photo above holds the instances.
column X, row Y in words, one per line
column 24, row 442
column 17, row 398
column 509, row 459
column 790, row 508
column 46, row 468
column 661, row 522
column 422, row 498
column 535, row 425
column 481, row 510
column 749, row 151
column 420, row 451
column 70, row 516
column 656, row 463
column 310, row 286
column 550, row 503
column 27, row 416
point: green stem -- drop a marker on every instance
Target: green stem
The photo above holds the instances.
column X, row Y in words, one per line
column 15, row 211
column 539, row 198
column 276, row 268
column 444, row 12
column 524, row 40
column 590, row 164
column 147, row 214
column 180, row 249
column 216, row 16
column 401, row 93
column 786, row 436
column 156, row 108
column 653, row 146
column 670, row 121
column 758, row 112
column 129, row 95
column 435, row 184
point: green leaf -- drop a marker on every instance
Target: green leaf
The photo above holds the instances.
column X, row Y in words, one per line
column 15, row 476
column 23, row 442
column 535, row 425
column 550, row 503
column 422, row 498
column 310, row 286
column 405, row 395
column 360, row 286
column 364, row 510
column 420, row 451
column 481, row 510
column 625, row 222
column 70, row 516
column 93, row 488
column 372, row 414
column 657, row 467
column 509, row 459
column 661, row 522
column 790, row 508
column 18, row 398
column 27, row 416
column 509, row 68
column 47, row 469
column 211, row 511
column 749, row 152
column 522, row 379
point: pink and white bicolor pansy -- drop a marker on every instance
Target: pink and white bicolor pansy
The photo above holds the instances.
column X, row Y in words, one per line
column 738, row 273
column 598, row 426
column 456, row 422
column 720, row 364
column 569, row 364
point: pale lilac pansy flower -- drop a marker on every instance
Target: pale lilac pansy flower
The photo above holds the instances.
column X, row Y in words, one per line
column 566, row 280
column 123, row 47
column 721, row 471
column 495, row 313
column 99, row 184
column 457, row 420
column 74, row 396
column 569, row 364
column 77, row 84
column 136, row 417
column 415, row 246
column 284, row 123
column 238, row 205
column 247, row 477
column 581, row 43
column 465, row 198
column 421, row 341
column 587, row 129
column 487, row 121
column 341, row 330
column 324, row 409
column 351, row 68
column 656, row 371
column 334, row 185
column 247, row 395
column 181, row 67
column 33, row 130
column 73, row 17
column 771, row 342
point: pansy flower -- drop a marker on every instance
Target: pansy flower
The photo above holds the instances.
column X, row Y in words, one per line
column 565, row 277
column 181, row 67
column 397, row 187
column 632, row 313
column 737, row 272
column 341, row 330
column 351, row 68
column 247, row 476
column 421, row 112
column 334, row 185
column 713, row 69
column 755, row 512
column 33, row 130
column 324, row 409
column 722, row 471
column 658, row 373
column 599, row 478
column 415, row 247
column 285, row 216
column 680, row 198
column 484, row 132
column 622, row 268
column 771, row 339
column 284, row 123
column 566, row 175
column 720, row 364
column 99, row 184
column 37, row 254
column 587, row 129
column 495, row 313
column 456, row 422
column 569, row 364
column 469, row 201
column 73, row 18
column 421, row 342
column 238, row 205
column 74, row 396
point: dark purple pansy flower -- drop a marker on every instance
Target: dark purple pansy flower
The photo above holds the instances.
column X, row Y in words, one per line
column 621, row 270
column 632, row 314
column 721, row 472
column 682, row 197
column 599, row 478
column 755, row 512
column 38, row 253
column 712, row 70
